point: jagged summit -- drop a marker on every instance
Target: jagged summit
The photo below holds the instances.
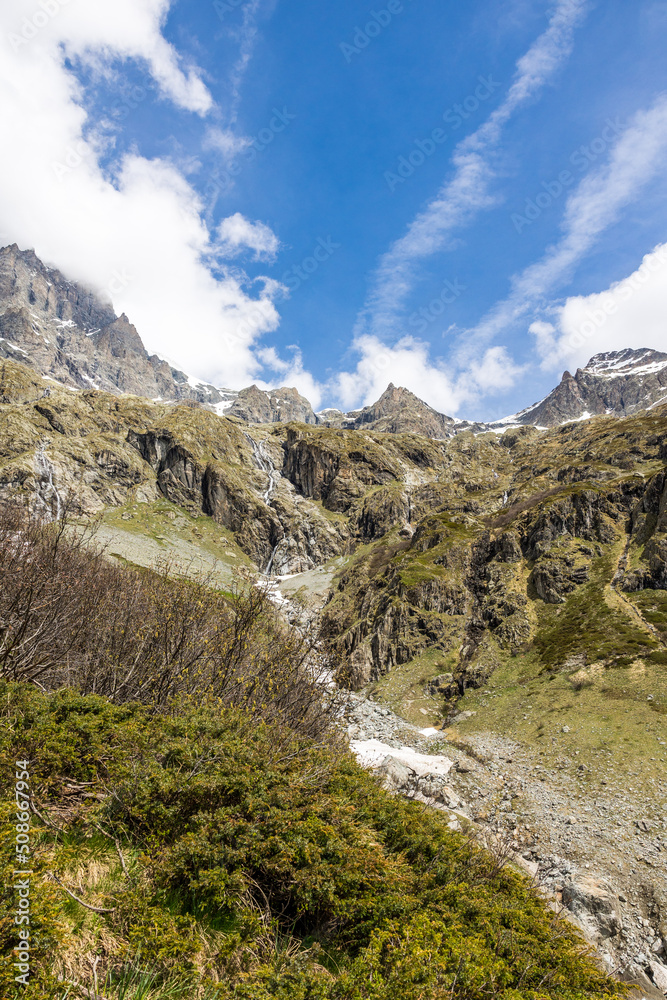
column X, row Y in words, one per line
column 627, row 362
column 616, row 382
column 399, row 411
column 69, row 333
column 257, row 406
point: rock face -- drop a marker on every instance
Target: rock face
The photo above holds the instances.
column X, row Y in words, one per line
column 594, row 903
column 648, row 534
column 620, row 382
column 659, row 974
column 399, row 411
column 255, row 406
column 461, row 568
column 69, row 334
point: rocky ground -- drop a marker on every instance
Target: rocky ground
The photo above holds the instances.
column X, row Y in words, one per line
column 598, row 859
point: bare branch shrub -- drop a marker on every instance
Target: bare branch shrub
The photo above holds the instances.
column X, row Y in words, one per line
column 69, row 616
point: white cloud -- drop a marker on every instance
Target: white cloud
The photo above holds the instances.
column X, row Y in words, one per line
column 139, row 233
column 409, row 363
column 630, row 313
column 292, row 374
column 236, row 234
column 468, row 192
column 596, row 204
column 96, row 31
column 228, row 143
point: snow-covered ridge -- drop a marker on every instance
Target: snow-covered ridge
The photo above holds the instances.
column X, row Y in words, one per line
column 617, row 364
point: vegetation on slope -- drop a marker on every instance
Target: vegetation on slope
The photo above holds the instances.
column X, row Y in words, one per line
column 491, row 571
column 217, row 841
column 256, row 863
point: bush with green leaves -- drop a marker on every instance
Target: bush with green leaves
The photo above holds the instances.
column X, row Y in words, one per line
column 258, row 863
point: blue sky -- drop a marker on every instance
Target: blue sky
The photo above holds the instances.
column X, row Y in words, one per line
column 446, row 196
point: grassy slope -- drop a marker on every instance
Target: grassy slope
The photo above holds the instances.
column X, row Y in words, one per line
column 144, row 534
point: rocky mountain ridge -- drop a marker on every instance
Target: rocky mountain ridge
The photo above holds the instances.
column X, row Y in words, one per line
column 618, row 382
column 508, row 590
column 69, row 334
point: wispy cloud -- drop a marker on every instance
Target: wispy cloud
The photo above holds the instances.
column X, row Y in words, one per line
column 595, row 205
column 237, row 234
column 469, row 190
column 246, row 36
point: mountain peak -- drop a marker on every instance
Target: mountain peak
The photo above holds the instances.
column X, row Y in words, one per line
column 631, row 360
column 66, row 332
column 614, row 382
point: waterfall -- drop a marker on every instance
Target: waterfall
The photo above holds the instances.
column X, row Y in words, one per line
column 263, row 461
column 46, row 487
column 505, row 498
column 267, row 571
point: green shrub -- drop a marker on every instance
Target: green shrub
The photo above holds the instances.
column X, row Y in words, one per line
column 262, row 864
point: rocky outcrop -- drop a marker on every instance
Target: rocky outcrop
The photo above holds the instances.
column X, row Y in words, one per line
column 336, row 469
column 585, row 514
column 310, row 467
column 554, row 578
column 271, row 528
column 595, row 904
column 256, row 406
column 382, row 510
column 648, row 527
column 70, row 334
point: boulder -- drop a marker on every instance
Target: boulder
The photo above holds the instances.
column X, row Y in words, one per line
column 433, row 789
column 659, row 975
column 643, row 985
column 553, row 579
column 594, row 903
column 397, row 776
